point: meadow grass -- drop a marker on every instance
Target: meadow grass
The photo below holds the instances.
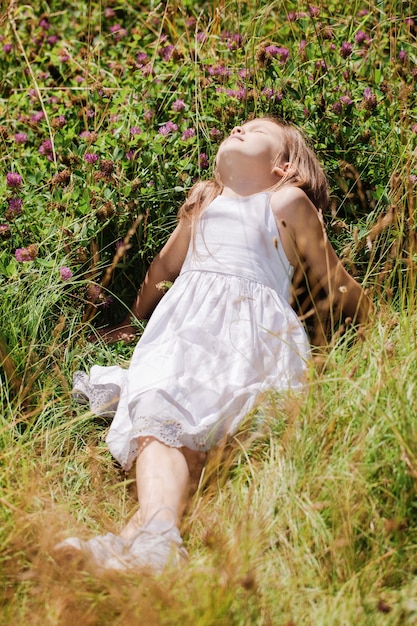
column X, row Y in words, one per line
column 308, row 517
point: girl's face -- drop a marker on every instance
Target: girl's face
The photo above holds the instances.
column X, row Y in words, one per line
column 257, row 142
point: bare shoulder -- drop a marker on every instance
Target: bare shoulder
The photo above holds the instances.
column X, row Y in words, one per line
column 293, row 205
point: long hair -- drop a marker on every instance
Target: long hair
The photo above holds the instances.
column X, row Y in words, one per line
column 305, row 172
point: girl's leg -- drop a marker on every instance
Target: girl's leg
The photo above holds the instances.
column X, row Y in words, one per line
column 163, row 476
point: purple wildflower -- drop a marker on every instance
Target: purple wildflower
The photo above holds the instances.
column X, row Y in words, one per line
column 201, row 36
column 215, row 133
column 44, row 24
column 15, row 207
column 234, row 41
column 218, row 70
column 118, row 31
column 5, row 232
column 46, row 149
column 52, row 40
column 337, row 107
column 107, row 302
column 239, row 94
column 414, row 128
column 20, row 137
column 23, row 255
column 272, row 94
column 346, row 100
column 131, row 155
column 109, row 12
column 361, row 37
column 142, row 58
column 188, row 134
column 313, row 11
column 166, row 52
column 7, row 48
column 369, row 99
column 88, row 136
column 65, row 273
column 13, row 179
column 168, row 128
column 37, row 117
column 91, row 157
column 203, row 161
column 135, row 130
column 346, row 49
column 93, row 292
column 278, row 52
column 178, row 105
column 63, row 56
column 59, row 122
column 402, row 56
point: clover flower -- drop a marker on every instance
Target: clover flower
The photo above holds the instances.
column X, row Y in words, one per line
column 142, row 58
column 369, row 100
column 93, row 292
column 21, row 138
column 168, row 128
column 91, row 157
column 215, row 133
column 118, row 31
column 362, row 38
column 5, row 232
column 13, row 179
column 267, row 53
column 402, row 56
column 88, row 136
column 272, row 94
column 65, row 273
column 52, row 40
column 166, row 52
column 58, row 122
column 14, row 208
column 46, row 149
column 218, row 70
column 7, row 48
column 178, row 105
column 24, row 255
column 203, row 161
column 37, row 116
column 346, row 49
column 346, row 100
column 313, row 11
column 44, row 24
column 135, row 130
column 188, row 133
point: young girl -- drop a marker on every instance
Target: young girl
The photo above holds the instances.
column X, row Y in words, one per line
column 223, row 334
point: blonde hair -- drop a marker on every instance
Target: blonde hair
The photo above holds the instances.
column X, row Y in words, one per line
column 304, row 172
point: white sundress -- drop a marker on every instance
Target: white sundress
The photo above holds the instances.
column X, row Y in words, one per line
column 223, row 334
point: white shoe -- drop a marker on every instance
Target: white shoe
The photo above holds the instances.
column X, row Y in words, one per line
column 104, row 552
column 157, row 545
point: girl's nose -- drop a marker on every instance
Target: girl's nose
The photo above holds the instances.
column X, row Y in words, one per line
column 237, row 130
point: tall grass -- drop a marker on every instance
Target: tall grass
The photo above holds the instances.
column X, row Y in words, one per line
column 309, row 515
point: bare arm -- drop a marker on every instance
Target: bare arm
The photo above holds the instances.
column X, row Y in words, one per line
column 305, row 243
column 165, row 267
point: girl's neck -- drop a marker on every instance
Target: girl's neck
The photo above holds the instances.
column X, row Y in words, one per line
column 246, row 182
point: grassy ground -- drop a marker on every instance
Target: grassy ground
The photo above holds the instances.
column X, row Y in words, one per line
column 309, row 519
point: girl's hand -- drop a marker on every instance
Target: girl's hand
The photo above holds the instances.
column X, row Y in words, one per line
column 112, row 334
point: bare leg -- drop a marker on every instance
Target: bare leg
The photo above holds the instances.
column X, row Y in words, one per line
column 163, row 477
